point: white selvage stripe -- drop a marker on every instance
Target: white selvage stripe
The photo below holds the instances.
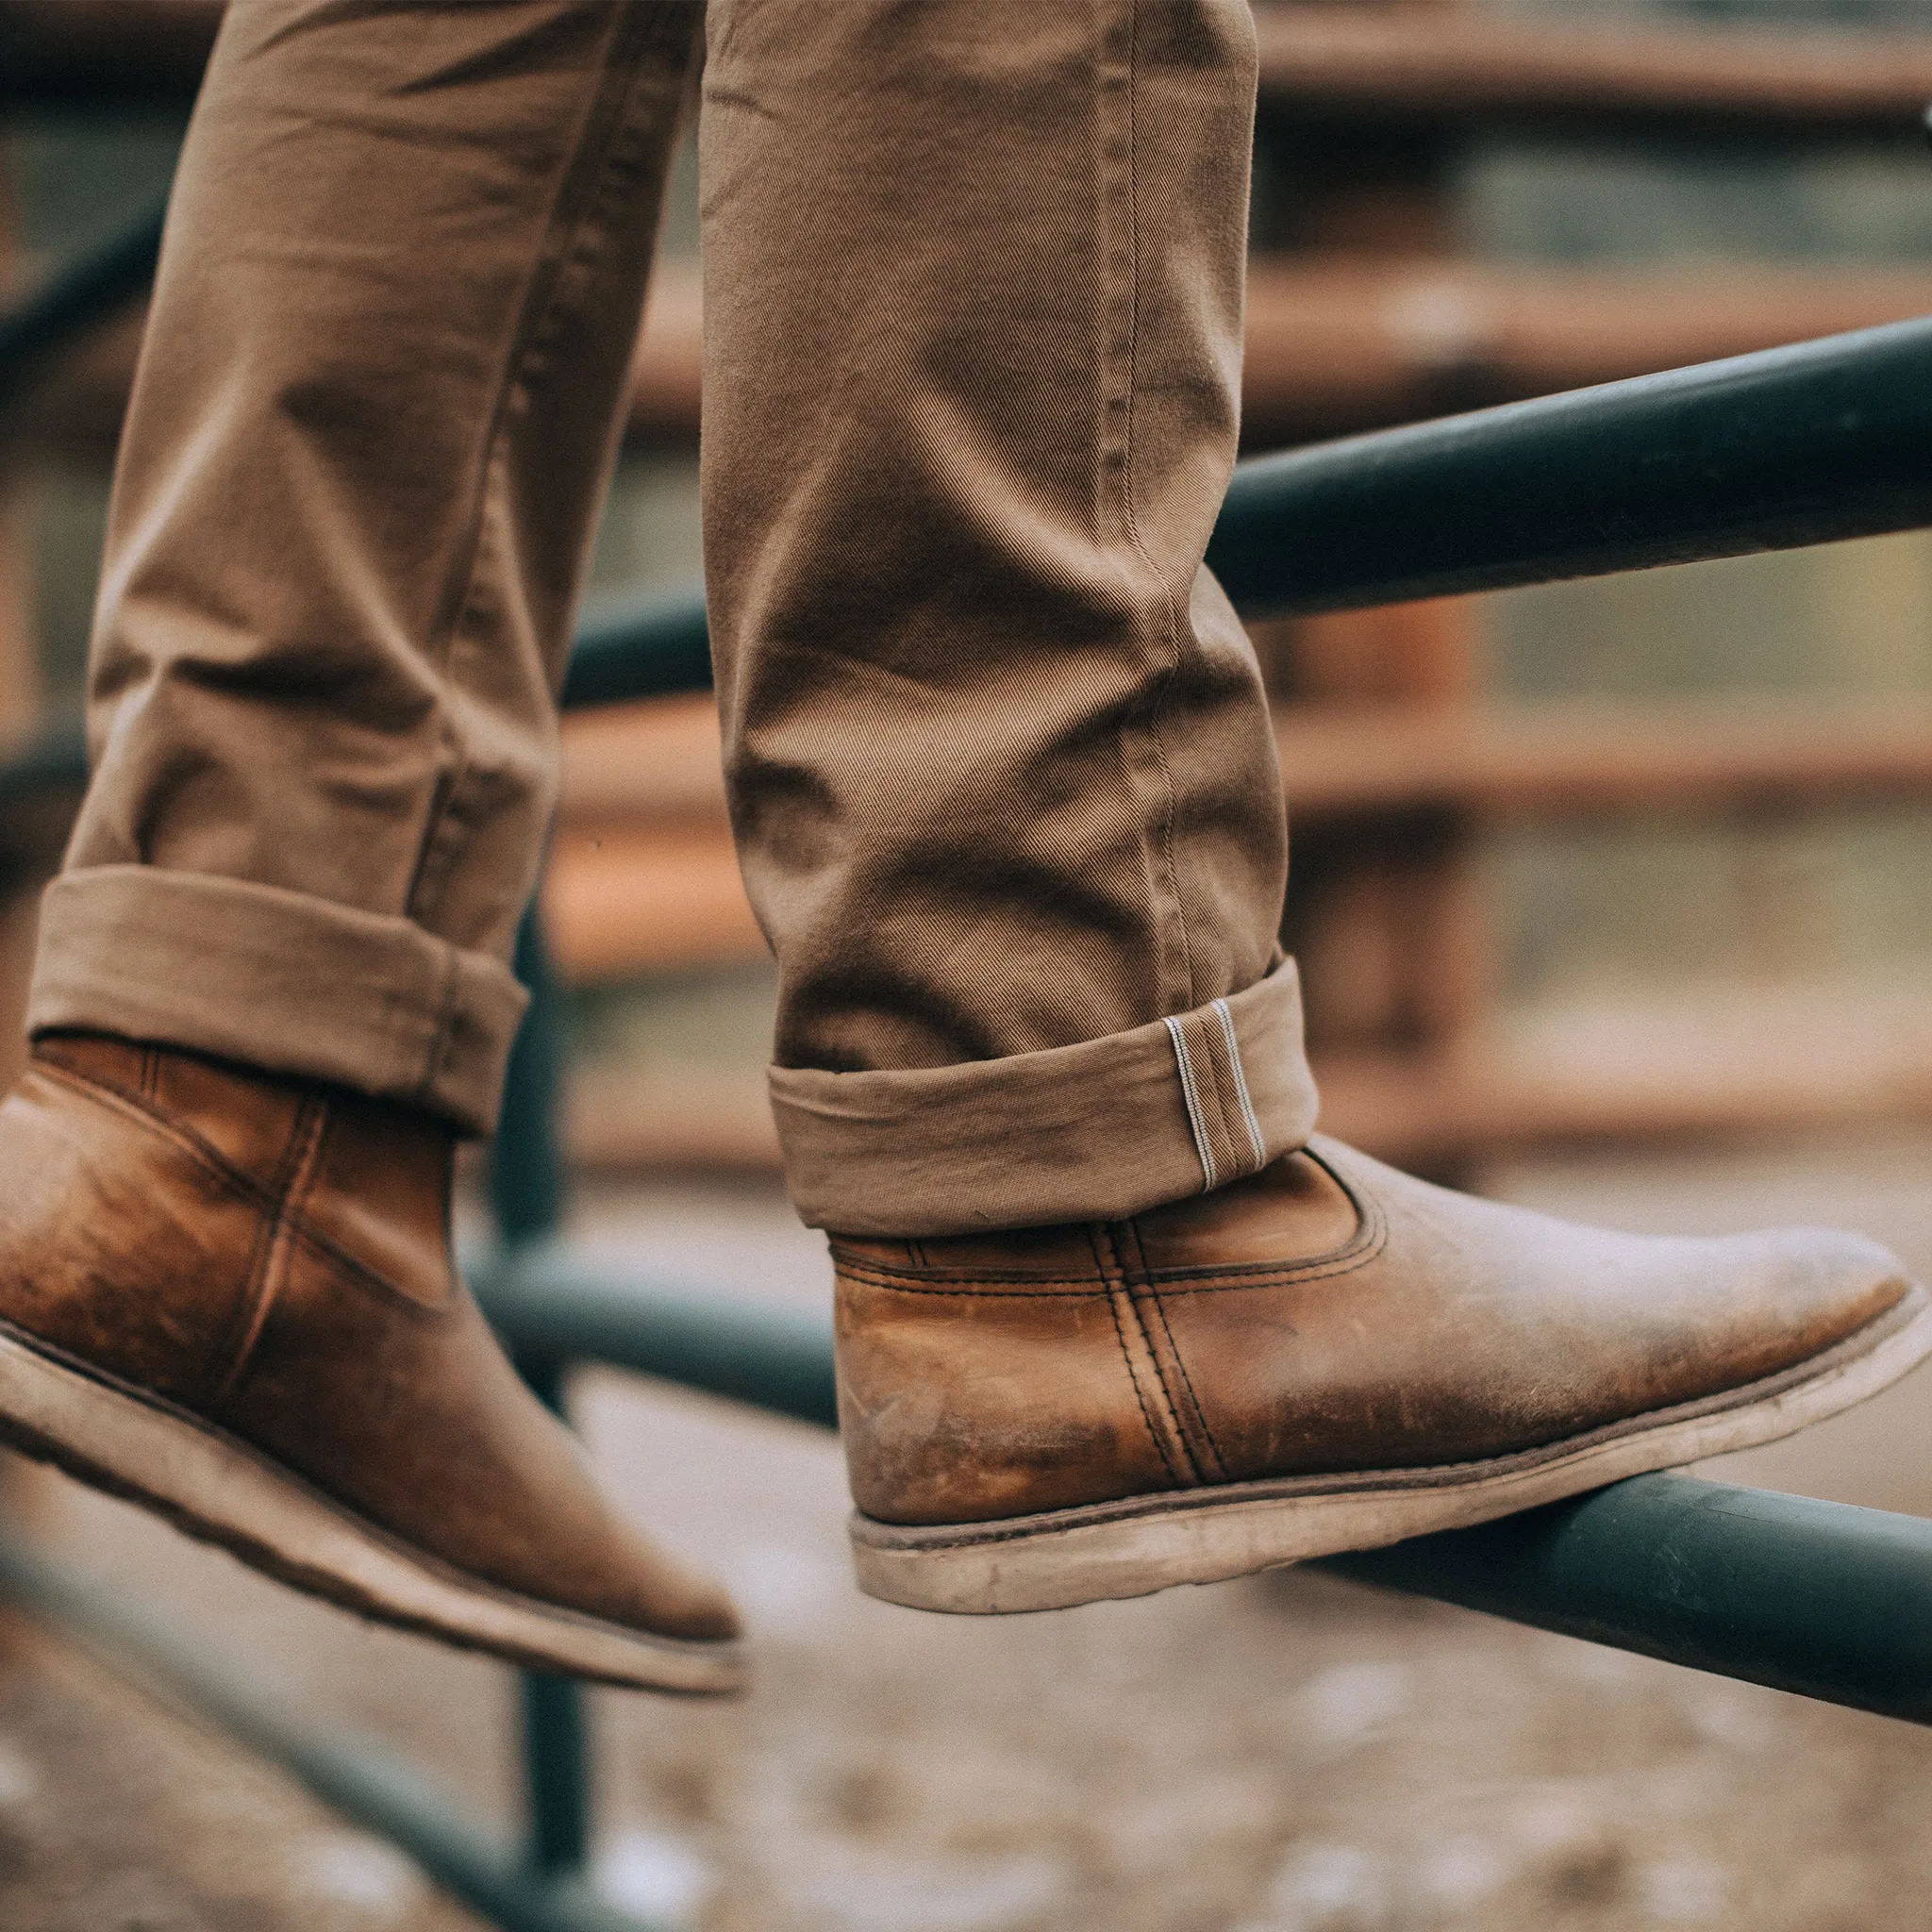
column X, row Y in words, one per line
column 1241, row 1087
column 1192, row 1095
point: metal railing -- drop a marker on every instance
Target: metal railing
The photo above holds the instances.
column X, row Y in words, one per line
column 1774, row 451
column 1794, row 447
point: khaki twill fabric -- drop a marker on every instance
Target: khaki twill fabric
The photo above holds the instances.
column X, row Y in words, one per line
column 1001, row 771
column 1153, row 1114
column 374, row 414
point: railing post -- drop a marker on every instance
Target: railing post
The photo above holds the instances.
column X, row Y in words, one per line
column 526, row 1188
column 19, row 693
column 526, row 1181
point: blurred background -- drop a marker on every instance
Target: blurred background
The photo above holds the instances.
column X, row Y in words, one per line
column 1611, row 897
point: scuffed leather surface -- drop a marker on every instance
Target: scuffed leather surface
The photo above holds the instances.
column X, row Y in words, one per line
column 274, row 1257
column 1330, row 1314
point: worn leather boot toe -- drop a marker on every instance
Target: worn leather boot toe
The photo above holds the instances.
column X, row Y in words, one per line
column 1327, row 1355
column 229, row 1297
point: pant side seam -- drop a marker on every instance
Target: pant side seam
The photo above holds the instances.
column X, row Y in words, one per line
column 1191, row 1099
column 437, row 1048
column 1180, row 998
column 604, row 120
column 1256, row 1140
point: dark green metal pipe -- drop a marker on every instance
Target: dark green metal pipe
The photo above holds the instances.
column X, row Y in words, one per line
column 555, row 1734
column 1832, row 1602
column 53, row 759
column 1774, row 451
column 649, row 650
column 546, row 1302
column 553, row 1727
column 526, row 1172
column 353, row 1777
column 1792, row 446
column 76, row 296
column 528, row 1185
column 1820, row 1598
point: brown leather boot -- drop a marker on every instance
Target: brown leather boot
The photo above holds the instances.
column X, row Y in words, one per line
column 229, row 1297
column 1326, row 1356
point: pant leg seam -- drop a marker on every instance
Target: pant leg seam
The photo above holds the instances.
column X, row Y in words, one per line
column 604, row 120
column 1187, row 1000
column 441, row 1039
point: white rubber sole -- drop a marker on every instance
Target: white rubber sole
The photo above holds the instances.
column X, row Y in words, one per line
column 215, row 1487
column 1144, row 1544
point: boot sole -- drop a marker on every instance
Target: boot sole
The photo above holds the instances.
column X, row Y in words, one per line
column 1144, row 1544
column 214, row 1486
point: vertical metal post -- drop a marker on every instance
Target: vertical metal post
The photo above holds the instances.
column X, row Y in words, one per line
column 526, row 1188
column 527, row 1183
column 20, row 683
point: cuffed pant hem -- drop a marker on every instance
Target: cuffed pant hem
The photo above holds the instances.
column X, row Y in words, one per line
column 279, row 980
column 1092, row 1132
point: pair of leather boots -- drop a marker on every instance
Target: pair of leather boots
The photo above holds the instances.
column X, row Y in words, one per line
column 229, row 1296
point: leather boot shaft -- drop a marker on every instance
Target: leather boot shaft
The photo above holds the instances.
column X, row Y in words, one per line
column 1329, row 1315
column 241, row 1285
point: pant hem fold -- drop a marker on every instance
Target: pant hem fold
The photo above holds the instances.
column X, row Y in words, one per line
column 279, row 980
column 1091, row 1132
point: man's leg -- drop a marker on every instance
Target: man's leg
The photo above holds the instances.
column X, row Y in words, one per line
column 376, row 407
column 1002, row 774
column 1004, row 784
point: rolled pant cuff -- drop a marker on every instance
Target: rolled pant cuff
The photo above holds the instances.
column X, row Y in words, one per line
column 1092, row 1132
column 279, row 980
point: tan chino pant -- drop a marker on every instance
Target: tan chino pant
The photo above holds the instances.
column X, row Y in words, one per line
column 1000, row 768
